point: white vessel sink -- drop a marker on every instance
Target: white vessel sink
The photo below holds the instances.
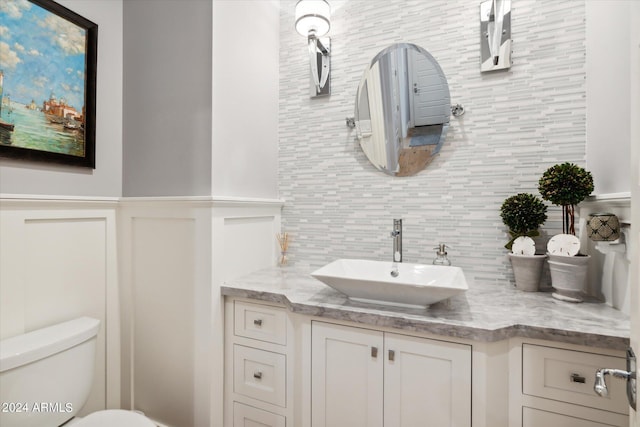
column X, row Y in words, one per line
column 416, row 285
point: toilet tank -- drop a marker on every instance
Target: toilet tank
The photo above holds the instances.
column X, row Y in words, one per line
column 46, row 374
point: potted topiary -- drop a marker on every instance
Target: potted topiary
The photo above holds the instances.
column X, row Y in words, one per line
column 566, row 185
column 523, row 214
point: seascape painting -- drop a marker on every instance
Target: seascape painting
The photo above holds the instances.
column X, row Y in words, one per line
column 47, row 83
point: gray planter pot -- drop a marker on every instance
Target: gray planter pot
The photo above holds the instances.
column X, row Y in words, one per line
column 528, row 270
column 569, row 276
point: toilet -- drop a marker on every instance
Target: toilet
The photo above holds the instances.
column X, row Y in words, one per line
column 111, row 418
column 46, row 377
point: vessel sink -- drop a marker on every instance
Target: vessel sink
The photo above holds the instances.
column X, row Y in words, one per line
column 416, row 285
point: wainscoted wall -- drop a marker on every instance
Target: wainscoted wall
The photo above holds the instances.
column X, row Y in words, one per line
column 517, row 124
column 175, row 253
column 58, row 262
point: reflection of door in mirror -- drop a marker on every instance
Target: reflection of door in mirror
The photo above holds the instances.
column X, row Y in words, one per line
column 402, row 110
column 388, row 66
column 374, row 141
column 431, row 102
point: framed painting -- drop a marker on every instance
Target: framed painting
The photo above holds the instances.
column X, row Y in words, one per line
column 48, row 59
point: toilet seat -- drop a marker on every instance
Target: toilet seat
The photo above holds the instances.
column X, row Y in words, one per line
column 114, row 417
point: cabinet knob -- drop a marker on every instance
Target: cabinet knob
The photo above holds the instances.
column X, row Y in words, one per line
column 374, row 352
column 257, row 322
column 257, row 375
column 392, row 355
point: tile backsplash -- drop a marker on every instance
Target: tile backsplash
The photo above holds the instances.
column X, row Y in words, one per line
column 517, row 123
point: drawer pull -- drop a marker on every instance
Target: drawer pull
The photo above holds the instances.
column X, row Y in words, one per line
column 577, row 378
column 257, row 375
column 374, row 352
column 257, row 322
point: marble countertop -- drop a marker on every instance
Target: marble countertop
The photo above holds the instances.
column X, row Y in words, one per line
column 484, row 313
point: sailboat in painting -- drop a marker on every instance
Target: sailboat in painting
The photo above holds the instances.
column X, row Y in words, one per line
column 3, row 124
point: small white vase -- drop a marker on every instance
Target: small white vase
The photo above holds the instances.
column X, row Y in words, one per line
column 569, row 276
column 527, row 270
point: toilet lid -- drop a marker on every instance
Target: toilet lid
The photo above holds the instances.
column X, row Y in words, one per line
column 114, row 417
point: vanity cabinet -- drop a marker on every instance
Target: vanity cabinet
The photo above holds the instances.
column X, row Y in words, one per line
column 304, row 369
column 257, row 379
column 555, row 387
column 368, row 378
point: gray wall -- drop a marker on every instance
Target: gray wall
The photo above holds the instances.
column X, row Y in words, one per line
column 245, row 98
column 20, row 177
column 167, row 98
column 154, row 113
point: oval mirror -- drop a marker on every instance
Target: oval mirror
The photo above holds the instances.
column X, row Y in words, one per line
column 402, row 109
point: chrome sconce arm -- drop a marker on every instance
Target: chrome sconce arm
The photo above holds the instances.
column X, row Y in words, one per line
column 313, row 22
column 495, row 35
column 319, row 51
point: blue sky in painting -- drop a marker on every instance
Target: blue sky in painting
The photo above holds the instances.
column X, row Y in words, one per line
column 41, row 54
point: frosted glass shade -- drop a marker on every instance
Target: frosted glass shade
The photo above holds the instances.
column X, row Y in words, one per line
column 313, row 16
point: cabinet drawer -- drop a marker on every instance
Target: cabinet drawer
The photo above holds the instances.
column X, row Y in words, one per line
column 568, row 376
column 259, row 374
column 536, row 418
column 260, row 322
column 248, row 416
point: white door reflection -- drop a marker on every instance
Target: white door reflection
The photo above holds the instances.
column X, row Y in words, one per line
column 402, row 109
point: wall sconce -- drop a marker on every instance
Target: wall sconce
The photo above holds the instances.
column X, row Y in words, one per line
column 495, row 35
column 313, row 21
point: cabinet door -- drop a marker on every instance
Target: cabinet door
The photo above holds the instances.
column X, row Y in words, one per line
column 346, row 376
column 427, row 383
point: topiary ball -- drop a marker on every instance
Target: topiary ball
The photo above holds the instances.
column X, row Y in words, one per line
column 565, row 184
column 523, row 213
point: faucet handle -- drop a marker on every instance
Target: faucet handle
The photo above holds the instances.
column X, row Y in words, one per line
column 397, row 227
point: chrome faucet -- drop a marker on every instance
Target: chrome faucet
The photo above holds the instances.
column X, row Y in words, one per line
column 397, row 240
